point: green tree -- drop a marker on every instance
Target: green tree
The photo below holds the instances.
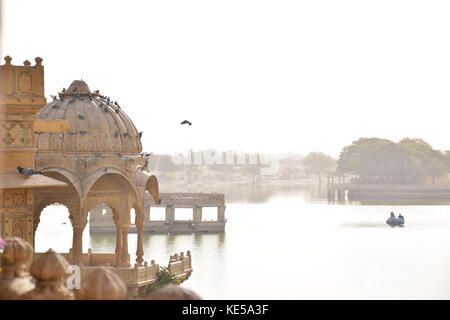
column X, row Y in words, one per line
column 433, row 163
column 379, row 160
column 318, row 163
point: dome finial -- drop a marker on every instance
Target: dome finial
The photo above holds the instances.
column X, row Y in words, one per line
column 78, row 87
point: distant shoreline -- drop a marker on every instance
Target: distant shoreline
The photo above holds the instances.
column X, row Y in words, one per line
column 389, row 191
column 243, row 183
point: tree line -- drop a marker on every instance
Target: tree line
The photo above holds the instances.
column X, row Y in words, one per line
column 375, row 160
column 366, row 160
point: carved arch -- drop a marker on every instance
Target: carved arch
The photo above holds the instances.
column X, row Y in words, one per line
column 74, row 181
column 41, row 205
column 92, row 179
column 144, row 181
column 92, row 203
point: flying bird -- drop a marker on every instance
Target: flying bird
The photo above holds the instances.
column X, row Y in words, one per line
column 188, row 122
column 28, row 171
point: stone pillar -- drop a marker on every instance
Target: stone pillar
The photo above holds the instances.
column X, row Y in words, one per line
column 118, row 245
column 140, row 246
column 125, row 262
column 140, row 221
column 221, row 213
column 197, row 214
column 170, row 214
column 77, row 245
column 147, row 214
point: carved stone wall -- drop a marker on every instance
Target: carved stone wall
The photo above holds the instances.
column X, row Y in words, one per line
column 21, row 98
column 16, row 213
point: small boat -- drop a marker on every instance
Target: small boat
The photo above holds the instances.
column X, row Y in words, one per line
column 393, row 221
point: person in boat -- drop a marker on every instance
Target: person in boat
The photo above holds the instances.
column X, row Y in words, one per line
column 400, row 217
column 392, row 216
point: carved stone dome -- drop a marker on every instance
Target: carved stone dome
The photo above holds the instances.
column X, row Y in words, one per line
column 97, row 124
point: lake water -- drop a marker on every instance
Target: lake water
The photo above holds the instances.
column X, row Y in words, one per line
column 289, row 243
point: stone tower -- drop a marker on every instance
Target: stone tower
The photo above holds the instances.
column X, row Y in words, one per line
column 21, row 98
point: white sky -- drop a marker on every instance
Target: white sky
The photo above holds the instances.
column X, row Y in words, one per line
column 265, row 76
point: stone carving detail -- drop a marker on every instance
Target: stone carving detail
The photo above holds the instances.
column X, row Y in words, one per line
column 14, row 134
column 17, row 227
column 130, row 168
column 14, row 198
column 25, row 81
column 8, row 139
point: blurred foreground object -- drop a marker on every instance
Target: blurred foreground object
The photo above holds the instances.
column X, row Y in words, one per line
column 101, row 284
column 49, row 270
column 173, row 292
column 15, row 279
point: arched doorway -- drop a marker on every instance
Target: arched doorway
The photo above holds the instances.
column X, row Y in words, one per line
column 54, row 230
column 119, row 193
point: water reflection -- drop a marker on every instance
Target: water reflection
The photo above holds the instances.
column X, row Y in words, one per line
column 257, row 193
column 324, row 251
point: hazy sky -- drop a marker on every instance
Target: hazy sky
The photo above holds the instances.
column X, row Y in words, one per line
column 266, row 76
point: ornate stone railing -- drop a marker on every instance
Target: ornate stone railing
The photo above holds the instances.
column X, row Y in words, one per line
column 139, row 275
column 181, row 265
